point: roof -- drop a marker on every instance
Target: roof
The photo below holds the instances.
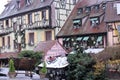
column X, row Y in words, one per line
column 111, row 10
column 107, row 53
column 44, row 46
column 8, row 55
column 11, row 8
column 86, row 28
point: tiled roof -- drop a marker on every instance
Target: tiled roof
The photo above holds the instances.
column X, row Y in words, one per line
column 112, row 11
column 8, row 55
column 44, row 46
column 86, row 28
column 11, row 7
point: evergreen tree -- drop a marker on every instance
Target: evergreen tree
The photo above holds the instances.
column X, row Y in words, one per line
column 80, row 66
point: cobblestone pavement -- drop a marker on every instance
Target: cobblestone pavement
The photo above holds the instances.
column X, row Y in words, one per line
column 19, row 76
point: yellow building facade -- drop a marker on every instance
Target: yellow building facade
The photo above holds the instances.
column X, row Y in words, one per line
column 24, row 23
column 7, row 39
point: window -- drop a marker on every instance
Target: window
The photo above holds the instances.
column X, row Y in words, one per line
column 37, row 16
column 110, row 28
column 63, row 3
column 48, row 35
column 80, row 10
column 15, row 26
column 1, row 25
column 8, row 42
column 19, row 20
column 99, row 41
column 87, row 9
column 44, row 14
column 7, row 23
column 3, row 42
column 30, row 18
column 23, row 19
column 31, row 39
column 15, row 44
column 94, row 21
column 118, row 28
column 77, row 23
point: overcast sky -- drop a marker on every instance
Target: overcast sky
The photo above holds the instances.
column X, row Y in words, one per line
column 2, row 3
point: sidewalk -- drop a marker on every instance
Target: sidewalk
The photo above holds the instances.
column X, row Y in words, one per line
column 19, row 76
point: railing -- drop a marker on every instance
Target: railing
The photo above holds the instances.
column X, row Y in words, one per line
column 6, row 30
column 38, row 24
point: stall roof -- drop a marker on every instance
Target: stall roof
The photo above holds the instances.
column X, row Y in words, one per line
column 58, row 62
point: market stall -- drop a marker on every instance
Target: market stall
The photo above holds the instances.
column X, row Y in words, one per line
column 56, row 67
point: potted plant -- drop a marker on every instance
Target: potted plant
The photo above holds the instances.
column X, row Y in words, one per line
column 43, row 71
column 11, row 73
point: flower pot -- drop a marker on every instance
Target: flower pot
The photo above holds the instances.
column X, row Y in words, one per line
column 42, row 75
column 12, row 74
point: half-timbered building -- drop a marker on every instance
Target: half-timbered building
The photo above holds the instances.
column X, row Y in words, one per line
column 24, row 23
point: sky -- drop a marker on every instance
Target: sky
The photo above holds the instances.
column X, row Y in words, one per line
column 2, row 3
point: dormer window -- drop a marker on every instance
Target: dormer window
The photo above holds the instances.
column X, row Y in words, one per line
column 94, row 21
column 28, row 2
column 42, row 0
column 77, row 23
column 18, row 4
column 80, row 10
column 96, row 7
column 103, row 6
column 87, row 9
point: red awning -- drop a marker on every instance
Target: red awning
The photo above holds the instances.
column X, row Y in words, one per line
column 8, row 55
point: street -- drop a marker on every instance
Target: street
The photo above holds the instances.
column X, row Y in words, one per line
column 4, row 72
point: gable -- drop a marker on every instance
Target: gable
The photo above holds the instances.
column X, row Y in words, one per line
column 56, row 50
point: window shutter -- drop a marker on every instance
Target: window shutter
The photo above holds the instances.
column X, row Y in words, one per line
column 40, row 15
column 33, row 17
column 0, row 42
column 47, row 14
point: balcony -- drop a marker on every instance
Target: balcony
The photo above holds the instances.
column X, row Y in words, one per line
column 5, row 30
column 37, row 25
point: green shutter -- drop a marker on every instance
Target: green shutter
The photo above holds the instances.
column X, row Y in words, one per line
column 76, row 21
column 67, row 39
column 79, row 38
column 99, row 39
column 85, row 38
